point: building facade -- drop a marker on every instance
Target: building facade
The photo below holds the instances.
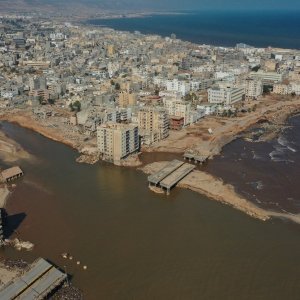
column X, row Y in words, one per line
column 253, row 88
column 153, row 124
column 229, row 95
column 116, row 141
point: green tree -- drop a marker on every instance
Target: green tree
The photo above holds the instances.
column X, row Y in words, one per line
column 76, row 106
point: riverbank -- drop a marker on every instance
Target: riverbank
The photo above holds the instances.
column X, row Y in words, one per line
column 4, row 193
column 272, row 109
column 10, row 151
column 214, row 188
column 197, row 139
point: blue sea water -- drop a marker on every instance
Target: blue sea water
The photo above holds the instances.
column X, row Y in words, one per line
column 221, row 28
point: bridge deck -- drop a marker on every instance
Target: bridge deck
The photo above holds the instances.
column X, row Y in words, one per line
column 36, row 283
column 164, row 172
column 177, row 175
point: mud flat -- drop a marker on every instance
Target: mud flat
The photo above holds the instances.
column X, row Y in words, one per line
column 215, row 189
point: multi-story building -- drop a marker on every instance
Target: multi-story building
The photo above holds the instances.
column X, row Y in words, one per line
column 153, row 124
column 116, row 141
column 180, row 86
column 267, row 77
column 229, row 95
column 178, row 108
column 282, row 89
column 127, row 99
column 295, row 88
column 253, row 88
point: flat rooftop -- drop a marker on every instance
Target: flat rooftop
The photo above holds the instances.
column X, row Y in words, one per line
column 164, row 172
column 177, row 175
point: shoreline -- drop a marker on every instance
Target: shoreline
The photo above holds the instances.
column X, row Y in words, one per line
column 216, row 190
column 210, row 145
column 196, row 138
column 88, row 21
column 4, row 194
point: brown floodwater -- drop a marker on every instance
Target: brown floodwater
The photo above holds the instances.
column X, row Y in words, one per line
column 140, row 245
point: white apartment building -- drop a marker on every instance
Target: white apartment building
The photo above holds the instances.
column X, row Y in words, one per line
column 116, row 141
column 229, row 95
column 176, row 85
column 253, row 88
column 178, row 108
column 266, row 76
column 153, row 124
column 295, row 88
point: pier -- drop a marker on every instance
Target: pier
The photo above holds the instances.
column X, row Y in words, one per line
column 11, row 173
column 197, row 158
column 170, row 175
column 37, row 283
column 176, row 176
column 157, row 177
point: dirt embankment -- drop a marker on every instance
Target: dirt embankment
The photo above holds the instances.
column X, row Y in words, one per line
column 26, row 120
column 216, row 189
column 10, row 151
column 56, row 129
column 224, row 130
column 4, row 193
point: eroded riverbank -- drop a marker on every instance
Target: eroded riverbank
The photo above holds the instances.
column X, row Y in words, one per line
column 214, row 188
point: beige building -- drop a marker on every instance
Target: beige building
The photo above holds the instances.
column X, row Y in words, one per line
column 127, row 99
column 281, row 89
column 253, row 88
column 178, row 108
column 110, row 50
column 270, row 65
column 153, row 124
column 116, row 141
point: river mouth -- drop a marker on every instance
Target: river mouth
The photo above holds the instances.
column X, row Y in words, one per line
column 138, row 244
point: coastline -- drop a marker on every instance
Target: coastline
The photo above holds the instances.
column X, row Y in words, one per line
column 197, row 139
column 216, row 190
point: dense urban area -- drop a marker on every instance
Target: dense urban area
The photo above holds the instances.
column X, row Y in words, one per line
column 112, row 95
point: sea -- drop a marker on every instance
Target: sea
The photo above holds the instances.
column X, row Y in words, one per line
column 140, row 245
column 276, row 28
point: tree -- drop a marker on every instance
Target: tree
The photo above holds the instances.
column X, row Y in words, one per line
column 76, row 106
column 51, row 101
column 117, row 86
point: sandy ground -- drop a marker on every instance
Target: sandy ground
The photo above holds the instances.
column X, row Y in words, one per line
column 7, row 275
column 10, row 151
column 26, row 119
column 273, row 109
column 216, row 189
column 4, row 193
